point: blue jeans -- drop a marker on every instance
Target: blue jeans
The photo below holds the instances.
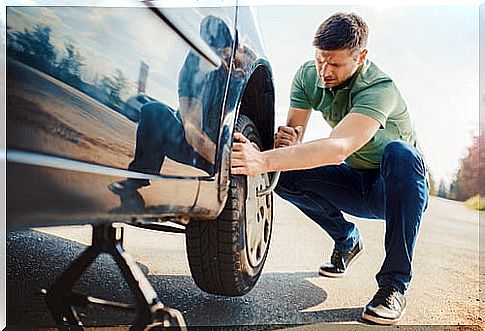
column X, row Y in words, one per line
column 397, row 192
column 161, row 133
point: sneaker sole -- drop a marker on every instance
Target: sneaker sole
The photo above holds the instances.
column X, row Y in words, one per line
column 331, row 274
column 381, row 320
column 343, row 274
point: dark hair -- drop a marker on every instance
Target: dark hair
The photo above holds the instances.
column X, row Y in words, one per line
column 342, row 31
column 215, row 32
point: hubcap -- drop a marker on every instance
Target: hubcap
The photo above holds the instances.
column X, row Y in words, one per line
column 259, row 218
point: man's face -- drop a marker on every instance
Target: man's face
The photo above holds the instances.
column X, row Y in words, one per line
column 336, row 67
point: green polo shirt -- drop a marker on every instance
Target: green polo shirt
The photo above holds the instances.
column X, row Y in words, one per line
column 370, row 92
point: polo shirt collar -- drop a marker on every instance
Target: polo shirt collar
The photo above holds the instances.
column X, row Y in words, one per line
column 320, row 83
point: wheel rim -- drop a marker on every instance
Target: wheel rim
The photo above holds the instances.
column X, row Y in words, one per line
column 259, row 218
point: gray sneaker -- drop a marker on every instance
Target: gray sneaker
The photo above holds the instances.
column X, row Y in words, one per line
column 340, row 261
column 386, row 307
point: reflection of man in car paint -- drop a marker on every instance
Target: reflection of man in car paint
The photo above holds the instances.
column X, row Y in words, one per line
column 189, row 135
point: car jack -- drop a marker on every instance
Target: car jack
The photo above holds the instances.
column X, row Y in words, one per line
column 108, row 238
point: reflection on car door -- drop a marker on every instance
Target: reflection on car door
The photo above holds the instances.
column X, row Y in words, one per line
column 85, row 75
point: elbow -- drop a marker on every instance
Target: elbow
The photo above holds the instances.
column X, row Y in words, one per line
column 341, row 154
column 338, row 160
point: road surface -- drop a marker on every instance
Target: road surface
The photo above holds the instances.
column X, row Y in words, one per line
column 444, row 291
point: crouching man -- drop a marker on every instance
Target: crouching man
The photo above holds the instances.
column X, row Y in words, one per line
column 370, row 166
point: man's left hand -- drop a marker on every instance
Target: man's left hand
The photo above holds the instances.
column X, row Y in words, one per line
column 246, row 159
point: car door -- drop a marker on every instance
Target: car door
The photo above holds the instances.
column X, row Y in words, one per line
column 96, row 95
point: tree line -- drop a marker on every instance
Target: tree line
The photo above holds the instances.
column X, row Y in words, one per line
column 35, row 49
column 467, row 182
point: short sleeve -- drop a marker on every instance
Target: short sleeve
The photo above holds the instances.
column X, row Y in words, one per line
column 298, row 97
column 376, row 101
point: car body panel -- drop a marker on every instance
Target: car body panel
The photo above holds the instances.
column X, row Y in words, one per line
column 75, row 102
column 248, row 57
column 51, row 196
column 76, row 85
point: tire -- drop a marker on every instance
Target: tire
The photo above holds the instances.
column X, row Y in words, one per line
column 226, row 255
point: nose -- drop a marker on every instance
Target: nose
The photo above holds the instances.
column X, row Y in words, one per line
column 325, row 70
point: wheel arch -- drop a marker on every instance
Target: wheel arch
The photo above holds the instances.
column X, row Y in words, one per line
column 258, row 102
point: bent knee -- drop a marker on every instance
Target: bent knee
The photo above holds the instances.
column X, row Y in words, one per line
column 400, row 157
column 155, row 110
column 398, row 147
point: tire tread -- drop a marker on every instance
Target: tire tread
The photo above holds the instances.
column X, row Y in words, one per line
column 214, row 246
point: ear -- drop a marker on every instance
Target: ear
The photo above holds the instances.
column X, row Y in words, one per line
column 362, row 56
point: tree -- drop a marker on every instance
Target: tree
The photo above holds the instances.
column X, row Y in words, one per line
column 467, row 181
column 432, row 184
column 113, row 87
column 70, row 66
column 10, row 39
column 34, row 48
column 442, row 190
column 453, row 191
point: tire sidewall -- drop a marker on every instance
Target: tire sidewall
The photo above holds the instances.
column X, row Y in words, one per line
column 250, row 273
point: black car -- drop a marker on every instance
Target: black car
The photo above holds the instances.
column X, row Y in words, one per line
column 127, row 115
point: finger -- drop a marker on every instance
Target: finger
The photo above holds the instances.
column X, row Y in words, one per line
column 240, row 137
column 238, row 171
column 284, row 135
column 286, row 142
column 237, row 155
column 286, row 129
column 237, row 147
column 281, row 145
column 237, row 163
column 282, row 142
column 299, row 130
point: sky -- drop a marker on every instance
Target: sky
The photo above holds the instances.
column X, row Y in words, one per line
column 430, row 52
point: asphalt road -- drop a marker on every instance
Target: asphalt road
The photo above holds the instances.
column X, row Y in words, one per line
column 444, row 291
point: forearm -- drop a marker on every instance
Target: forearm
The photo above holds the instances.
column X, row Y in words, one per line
column 201, row 143
column 298, row 117
column 206, row 148
column 353, row 132
column 190, row 110
column 308, row 155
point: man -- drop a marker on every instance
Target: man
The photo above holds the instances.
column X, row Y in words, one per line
column 369, row 166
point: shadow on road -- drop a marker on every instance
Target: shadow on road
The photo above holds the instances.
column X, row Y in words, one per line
column 278, row 298
column 35, row 260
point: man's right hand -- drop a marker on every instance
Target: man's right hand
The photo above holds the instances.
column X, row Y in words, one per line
column 287, row 136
